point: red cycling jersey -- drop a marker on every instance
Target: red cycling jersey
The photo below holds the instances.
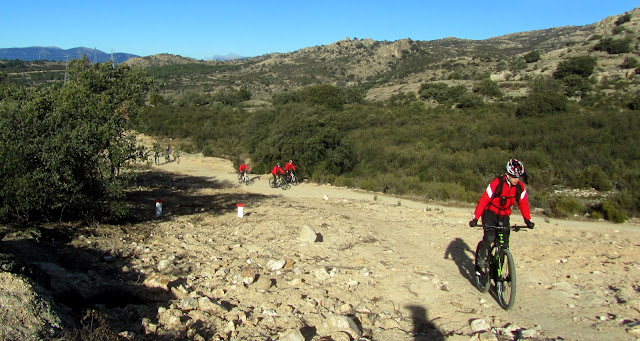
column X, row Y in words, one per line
column 276, row 170
column 289, row 167
column 502, row 202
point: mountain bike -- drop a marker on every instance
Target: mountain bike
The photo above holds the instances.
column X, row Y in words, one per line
column 292, row 179
column 280, row 181
column 499, row 267
column 244, row 178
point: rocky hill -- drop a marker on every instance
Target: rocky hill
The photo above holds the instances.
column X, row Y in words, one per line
column 388, row 67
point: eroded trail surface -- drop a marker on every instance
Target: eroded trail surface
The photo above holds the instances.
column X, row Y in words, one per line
column 318, row 262
column 392, row 259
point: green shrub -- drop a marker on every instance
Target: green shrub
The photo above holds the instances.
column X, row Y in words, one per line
column 566, row 206
column 532, row 56
column 545, row 103
column 487, row 87
column 614, row 46
column 208, row 152
column 582, row 66
column 470, row 101
column 625, row 18
column 629, row 63
column 67, row 152
column 612, row 212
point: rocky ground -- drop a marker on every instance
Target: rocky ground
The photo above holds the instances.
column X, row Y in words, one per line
column 312, row 262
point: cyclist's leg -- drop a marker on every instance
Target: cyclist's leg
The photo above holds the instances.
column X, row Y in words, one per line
column 506, row 222
column 489, row 218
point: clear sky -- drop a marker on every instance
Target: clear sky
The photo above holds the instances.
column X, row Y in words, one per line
column 203, row 29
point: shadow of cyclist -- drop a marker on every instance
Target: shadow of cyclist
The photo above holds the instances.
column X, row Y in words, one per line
column 457, row 249
column 423, row 329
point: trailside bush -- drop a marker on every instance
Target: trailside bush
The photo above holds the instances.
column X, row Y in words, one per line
column 66, row 151
column 612, row 212
column 566, row 206
column 614, row 46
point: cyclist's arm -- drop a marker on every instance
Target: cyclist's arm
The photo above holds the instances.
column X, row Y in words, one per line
column 523, row 204
column 485, row 198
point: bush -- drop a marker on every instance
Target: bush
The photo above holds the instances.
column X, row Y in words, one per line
column 539, row 104
column 582, row 66
column 470, row 101
column 629, row 63
column 566, row 206
column 532, row 56
column 612, row 212
column 614, row 46
column 67, row 151
column 487, row 87
column 625, row 18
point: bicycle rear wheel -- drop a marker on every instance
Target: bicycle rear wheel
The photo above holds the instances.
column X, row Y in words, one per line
column 506, row 280
column 482, row 275
column 239, row 178
column 273, row 183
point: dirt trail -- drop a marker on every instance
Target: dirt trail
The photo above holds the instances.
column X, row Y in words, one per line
column 376, row 267
column 576, row 280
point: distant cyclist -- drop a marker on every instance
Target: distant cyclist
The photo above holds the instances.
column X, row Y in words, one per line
column 276, row 170
column 243, row 169
column 290, row 168
column 495, row 204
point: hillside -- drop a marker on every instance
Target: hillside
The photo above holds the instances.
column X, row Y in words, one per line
column 385, row 68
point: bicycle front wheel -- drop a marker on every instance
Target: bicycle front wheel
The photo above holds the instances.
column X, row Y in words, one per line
column 506, row 280
column 482, row 274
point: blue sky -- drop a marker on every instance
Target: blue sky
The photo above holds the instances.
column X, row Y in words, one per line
column 203, row 29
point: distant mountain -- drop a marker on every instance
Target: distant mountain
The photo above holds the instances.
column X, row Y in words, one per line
column 230, row 56
column 58, row 54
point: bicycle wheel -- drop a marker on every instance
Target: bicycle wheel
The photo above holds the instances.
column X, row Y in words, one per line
column 273, row 183
column 294, row 180
column 284, row 184
column 239, row 178
column 506, row 280
column 482, row 275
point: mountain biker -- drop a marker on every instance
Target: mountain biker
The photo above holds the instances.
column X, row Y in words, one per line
column 243, row 169
column 290, row 167
column 495, row 204
column 276, row 170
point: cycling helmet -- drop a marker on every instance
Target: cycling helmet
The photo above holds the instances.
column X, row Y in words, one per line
column 515, row 168
column 278, row 164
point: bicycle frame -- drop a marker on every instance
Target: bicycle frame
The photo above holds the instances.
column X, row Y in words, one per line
column 500, row 268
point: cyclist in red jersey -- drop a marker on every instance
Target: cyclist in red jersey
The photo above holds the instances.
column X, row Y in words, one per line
column 290, row 168
column 276, row 169
column 243, row 169
column 494, row 206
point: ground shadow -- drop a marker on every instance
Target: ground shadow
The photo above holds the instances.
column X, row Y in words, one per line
column 423, row 329
column 460, row 253
column 179, row 196
column 77, row 275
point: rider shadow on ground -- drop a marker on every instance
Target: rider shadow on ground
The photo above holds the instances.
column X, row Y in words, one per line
column 457, row 250
column 423, row 329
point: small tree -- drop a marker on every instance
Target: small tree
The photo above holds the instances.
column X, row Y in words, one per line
column 532, row 56
column 65, row 150
column 614, row 46
column 582, row 66
column 488, row 88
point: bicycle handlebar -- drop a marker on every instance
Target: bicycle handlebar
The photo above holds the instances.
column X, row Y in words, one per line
column 512, row 227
